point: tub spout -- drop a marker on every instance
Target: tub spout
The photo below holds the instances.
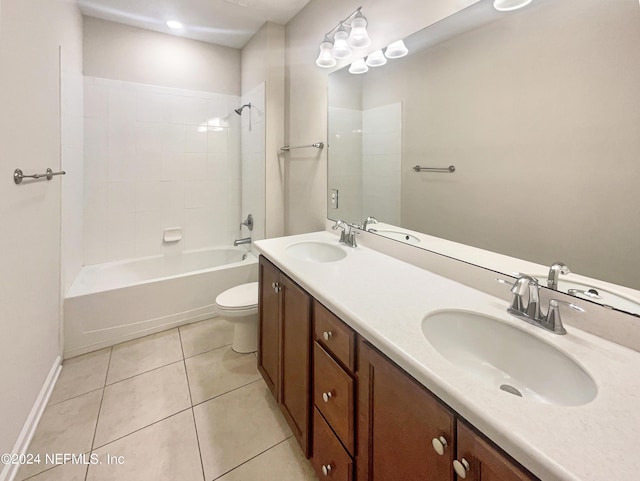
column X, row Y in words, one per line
column 246, row 240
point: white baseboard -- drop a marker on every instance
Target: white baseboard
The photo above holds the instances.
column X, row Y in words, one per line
column 28, row 430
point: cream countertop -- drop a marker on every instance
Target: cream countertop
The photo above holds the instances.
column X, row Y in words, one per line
column 594, row 442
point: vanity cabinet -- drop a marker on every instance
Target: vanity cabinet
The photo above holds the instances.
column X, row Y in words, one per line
column 483, row 461
column 405, row 432
column 284, row 358
column 354, row 412
column 397, row 422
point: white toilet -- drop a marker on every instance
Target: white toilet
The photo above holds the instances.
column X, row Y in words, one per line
column 239, row 305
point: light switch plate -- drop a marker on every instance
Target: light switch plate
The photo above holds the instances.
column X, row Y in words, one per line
column 333, row 198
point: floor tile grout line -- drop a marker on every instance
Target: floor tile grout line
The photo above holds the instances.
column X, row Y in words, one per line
column 186, row 372
column 145, row 372
column 254, row 457
column 140, row 429
column 75, row 397
column 227, row 392
column 195, row 426
column 207, row 351
column 95, row 430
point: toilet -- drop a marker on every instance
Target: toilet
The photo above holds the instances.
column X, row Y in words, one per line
column 239, row 305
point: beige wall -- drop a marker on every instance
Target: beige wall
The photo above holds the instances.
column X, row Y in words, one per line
column 120, row 52
column 30, row 138
column 306, row 97
column 263, row 61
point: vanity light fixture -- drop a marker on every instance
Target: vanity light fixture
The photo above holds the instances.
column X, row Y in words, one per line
column 325, row 57
column 174, row 24
column 396, row 50
column 341, row 48
column 508, row 5
column 340, row 40
column 376, row 59
column 358, row 67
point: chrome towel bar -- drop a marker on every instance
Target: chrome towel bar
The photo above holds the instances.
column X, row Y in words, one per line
column 18, row 175
column 317, row 145
column 447, row 170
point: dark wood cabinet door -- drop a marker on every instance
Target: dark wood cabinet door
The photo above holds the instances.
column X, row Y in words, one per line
column 485, row 461
column 397, row 421
column 269, row 326
column 296, row 360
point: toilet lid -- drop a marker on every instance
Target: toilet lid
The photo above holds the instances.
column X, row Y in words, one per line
column 243, row 296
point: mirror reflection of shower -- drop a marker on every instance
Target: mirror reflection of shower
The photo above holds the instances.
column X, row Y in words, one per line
column 239, row 112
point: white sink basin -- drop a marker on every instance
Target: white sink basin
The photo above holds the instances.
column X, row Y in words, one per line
column 396, row 235
column 508, row 359
column 315, row 251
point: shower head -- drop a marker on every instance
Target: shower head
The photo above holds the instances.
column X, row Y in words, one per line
column 239, row 111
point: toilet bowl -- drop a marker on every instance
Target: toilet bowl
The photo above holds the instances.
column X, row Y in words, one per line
column 239, row 305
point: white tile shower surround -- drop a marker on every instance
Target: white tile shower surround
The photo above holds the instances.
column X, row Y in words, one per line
column 158, row 157
column 367, row 167
column 177, row 405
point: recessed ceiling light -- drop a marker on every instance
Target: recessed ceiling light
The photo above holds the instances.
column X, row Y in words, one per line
column 174, row 24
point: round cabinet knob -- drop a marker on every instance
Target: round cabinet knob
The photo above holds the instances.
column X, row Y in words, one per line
column 273, row 285
column 326, row 469
column 326, row 335
column 461, row 467
column 326, row 396
column 439, row 444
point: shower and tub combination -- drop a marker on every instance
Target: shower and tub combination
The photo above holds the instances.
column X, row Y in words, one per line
column 136, row 279
column 118, row 301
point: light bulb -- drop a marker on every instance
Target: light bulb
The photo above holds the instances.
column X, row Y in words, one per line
column 341, row 48
column 396, row 50
column 508, row 5
column 359, row 66
column 359, row 37
column 325, row 57
column 376, row 59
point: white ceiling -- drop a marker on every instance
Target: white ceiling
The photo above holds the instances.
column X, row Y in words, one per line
column 223, row 22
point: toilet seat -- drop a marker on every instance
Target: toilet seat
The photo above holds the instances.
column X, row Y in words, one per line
column 239, row 298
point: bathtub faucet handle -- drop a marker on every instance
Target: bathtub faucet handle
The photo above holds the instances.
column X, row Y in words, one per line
column 248, row 222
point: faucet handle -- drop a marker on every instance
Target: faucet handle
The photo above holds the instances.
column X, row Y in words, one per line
column 505, row 282
column 553, row 321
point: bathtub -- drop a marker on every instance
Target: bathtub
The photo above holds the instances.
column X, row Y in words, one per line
column 118, row 301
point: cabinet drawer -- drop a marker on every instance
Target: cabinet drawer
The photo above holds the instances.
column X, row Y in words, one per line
column 333, row 395
column 329, row 460
column 334, row 335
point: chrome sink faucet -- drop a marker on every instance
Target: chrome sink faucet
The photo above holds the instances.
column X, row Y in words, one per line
column 555, row 270
column 347, row 236
column 530, row 311
column 367, row 221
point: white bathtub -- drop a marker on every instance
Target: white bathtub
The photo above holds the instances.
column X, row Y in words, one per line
column 118, row 301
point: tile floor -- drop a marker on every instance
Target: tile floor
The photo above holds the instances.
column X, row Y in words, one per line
column 177, row 405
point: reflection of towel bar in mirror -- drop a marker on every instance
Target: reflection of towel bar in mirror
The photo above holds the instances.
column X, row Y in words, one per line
column 447, row 170
column 317, row 145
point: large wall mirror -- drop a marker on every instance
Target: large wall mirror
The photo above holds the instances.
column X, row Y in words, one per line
column 538, row 110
